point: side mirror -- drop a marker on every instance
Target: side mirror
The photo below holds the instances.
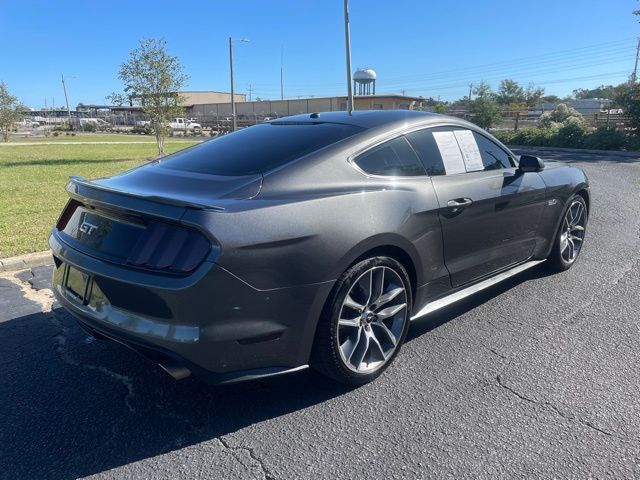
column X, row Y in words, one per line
column 529, row 163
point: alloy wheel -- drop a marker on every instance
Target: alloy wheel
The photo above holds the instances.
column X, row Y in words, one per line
column 572, row 233
column 372, row 319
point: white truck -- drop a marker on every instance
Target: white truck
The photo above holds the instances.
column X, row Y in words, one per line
column 180, row 123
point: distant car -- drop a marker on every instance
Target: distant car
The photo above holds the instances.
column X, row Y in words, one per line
column 143, row 123
column 27, row 123
column 97, row 121
column 310, row 240
column 184, row 124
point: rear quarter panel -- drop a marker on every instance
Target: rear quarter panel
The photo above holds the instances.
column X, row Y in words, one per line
column 313, row 220
column 563, row 182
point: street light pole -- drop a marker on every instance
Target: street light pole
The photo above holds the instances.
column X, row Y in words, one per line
column 64, row 87
column 233, row 99
column 347, row 36
column 281, row 73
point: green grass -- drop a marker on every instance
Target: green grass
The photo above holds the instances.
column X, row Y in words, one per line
column 62, row 138
column 32, row 180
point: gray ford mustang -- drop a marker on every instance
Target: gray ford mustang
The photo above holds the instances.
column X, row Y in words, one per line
column 309, row 240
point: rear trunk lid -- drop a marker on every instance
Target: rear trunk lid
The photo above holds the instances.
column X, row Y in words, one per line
column 157, row 182
column 135, row 218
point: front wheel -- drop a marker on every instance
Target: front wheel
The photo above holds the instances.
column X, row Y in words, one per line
column 365, row 322
column 570, row 236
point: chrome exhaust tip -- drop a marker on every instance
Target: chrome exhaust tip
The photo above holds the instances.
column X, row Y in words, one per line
column 178, row 372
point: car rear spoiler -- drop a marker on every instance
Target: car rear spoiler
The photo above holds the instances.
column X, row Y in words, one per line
column 77, row 185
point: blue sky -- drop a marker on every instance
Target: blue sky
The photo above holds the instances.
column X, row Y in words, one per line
column 424, row 47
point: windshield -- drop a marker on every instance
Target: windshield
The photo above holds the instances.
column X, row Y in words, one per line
column 259, row 148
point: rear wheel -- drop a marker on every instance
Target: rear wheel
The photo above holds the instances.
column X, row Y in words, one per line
column 570, row 236
column 365, row 322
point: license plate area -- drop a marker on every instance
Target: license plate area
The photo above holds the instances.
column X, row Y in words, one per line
column 76, row 283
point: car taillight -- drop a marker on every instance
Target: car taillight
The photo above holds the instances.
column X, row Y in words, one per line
column 67, row 213
column 169, row 247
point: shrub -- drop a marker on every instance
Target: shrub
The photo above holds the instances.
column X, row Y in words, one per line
column 542, row 137
column 573, row 133
column 56, row 133
column 605, row 139
column 89, row 127
column 142, row 130
column 505, row 136
column 560, row 114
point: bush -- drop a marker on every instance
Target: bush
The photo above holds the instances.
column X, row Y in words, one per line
column 560, row 114
column 572, row 134
column 606, row 139
column 542, row 137
column 142, row 130
column 90, row 127
column 505, row 136
column 56, row 133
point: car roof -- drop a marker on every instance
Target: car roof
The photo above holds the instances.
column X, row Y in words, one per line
column 372, row 118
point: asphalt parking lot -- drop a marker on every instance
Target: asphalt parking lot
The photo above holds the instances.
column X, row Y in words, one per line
column 537, row 377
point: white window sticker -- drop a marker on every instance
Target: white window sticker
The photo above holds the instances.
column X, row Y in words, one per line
column 450, row 152
column 470, row 151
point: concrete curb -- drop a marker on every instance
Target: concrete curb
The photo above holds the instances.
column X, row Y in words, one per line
column 23, row 262
column 577, row 150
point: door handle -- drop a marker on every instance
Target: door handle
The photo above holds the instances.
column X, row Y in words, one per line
column 459, row 202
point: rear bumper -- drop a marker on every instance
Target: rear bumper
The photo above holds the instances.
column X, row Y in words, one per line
column 210, row 323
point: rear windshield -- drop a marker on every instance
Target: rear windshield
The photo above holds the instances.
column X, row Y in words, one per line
column 259, row 148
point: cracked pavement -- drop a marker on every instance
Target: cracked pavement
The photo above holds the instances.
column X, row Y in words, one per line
column 536, row 377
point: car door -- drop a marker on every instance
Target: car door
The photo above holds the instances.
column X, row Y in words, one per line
column 489, row 211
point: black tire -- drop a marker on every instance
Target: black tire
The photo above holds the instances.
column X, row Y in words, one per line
column 326, row 355
column 557, row 262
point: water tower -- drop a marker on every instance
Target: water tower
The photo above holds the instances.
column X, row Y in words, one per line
column 364, row 81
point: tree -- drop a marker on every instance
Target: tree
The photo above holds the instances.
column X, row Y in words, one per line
column 485, row 110
column 152, row 80
column 510, row 92
column 533, row 95
column 11, row 111
column 550, row 99
column 603, row 91
column 629, row 100
column 430, row 104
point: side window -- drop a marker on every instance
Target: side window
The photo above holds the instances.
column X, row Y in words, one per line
column 394, row 158
column 493, row 157
column 428, row 151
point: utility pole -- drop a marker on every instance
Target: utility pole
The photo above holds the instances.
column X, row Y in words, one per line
column 64, row 87
column 233, row 99
column 250, row 90
column 634, row 75
column 470, row 91
column 282, row 72
column 347, row 36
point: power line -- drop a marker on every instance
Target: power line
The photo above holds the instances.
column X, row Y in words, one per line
column 517, row 72
column 591, row 60
column 557, row 58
